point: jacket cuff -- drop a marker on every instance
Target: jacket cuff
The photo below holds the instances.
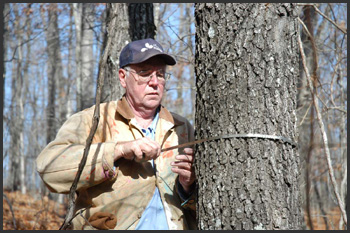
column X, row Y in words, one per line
column 107, row 160
column 188, row 200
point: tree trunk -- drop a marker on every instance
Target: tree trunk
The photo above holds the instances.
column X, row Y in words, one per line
column 141, row 21
column 54, row 71
column 69, row 109
column 84, row 15
column 23, row 98
column 77, row 12
column 135, row 21
column 16, row 126
column 87, row 79
column 112, row 90
column 246, row 69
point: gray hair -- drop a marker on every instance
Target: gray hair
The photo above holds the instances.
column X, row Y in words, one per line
column 127, row 70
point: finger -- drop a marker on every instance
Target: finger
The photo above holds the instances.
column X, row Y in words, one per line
column 185, row 158
column 150, row 152
column 152, row 148
column 188, row 151
column 138, row 154
column 182, row 165
column 185, row 174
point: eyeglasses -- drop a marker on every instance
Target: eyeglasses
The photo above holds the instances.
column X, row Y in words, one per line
column 144, row 76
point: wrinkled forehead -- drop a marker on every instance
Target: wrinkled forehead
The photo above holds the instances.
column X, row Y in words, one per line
column 155, row 63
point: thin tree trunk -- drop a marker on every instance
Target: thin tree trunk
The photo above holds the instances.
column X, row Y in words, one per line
column 16, row 125
column 324, row 136
column 54, row 66
column 69, row 110
column 309, row 14
column 87, row 80
column 77, row 12
column 246, row 69
column 23, row 97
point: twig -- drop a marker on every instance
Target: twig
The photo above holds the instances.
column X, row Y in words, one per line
column 13, row 215
column 87, row 221
column 307, row 111
column 37, row 215
column 96, row 117
column 323, row 132
column 325, row 16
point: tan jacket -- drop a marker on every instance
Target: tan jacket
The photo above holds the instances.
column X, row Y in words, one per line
column 125, row 187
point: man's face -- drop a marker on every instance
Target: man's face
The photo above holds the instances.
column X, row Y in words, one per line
column 143, row 95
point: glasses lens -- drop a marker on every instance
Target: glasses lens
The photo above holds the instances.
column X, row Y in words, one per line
column 145, row 76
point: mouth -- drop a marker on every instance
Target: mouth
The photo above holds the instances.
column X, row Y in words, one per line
column 153, row 93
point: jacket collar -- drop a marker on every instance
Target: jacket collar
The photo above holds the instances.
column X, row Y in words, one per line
column 123, row 108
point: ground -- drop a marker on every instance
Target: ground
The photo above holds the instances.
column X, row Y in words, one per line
column 45, row 214
column 31, row 214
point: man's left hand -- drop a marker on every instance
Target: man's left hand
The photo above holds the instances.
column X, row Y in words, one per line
column 184, row 168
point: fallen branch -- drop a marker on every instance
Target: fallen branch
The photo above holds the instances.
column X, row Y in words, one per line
column 13, row 215
column 323, row 132
column 95, row 120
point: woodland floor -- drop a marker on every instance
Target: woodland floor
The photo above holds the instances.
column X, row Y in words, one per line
column 45, row 214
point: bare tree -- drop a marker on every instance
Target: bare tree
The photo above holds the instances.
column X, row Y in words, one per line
column 322, row 39
column 16, row 110
column 84, row 22
column 135, row 22
column 247, row 68
column 54, row 71
column 112, row 90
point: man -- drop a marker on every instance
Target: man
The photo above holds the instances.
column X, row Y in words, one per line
column 127, row 183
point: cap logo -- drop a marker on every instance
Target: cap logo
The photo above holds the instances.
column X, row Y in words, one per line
column 149, row 46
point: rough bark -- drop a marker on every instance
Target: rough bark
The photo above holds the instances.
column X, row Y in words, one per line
column 112, row 90
column 141, row 21
column 87, row 80
column 54, row 70
column 15, row 128
column 77, row 12
column 135, row 22
column 246, row 69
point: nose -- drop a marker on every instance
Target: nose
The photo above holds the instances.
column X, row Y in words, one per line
column 154, row 80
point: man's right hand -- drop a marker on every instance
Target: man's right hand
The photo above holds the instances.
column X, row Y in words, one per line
column 140, row 150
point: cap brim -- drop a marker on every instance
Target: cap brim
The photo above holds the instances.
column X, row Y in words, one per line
column 169, row 60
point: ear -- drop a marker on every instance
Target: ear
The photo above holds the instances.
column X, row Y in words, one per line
column 122, row 76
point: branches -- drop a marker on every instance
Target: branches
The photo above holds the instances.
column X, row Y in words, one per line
column 13, row 215
column 325, row 16
column 323, row 132
column 96, row 116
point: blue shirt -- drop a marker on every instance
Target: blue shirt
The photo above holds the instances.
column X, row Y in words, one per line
column 153, row 218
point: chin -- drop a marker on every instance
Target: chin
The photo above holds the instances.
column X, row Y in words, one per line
column 153, row 103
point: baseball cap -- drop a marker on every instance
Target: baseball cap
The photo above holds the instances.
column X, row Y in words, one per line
column 140, row 50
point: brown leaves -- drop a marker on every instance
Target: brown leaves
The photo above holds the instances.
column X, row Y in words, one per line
column 31, row 214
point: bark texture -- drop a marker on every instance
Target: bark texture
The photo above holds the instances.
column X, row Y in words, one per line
column 247, row 68
column 135, row 22
column 112, row 90
column 141, row 21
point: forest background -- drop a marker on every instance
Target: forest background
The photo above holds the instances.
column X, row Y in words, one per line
column 28, row 125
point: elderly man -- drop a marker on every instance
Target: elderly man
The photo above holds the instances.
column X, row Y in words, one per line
column 127, row 183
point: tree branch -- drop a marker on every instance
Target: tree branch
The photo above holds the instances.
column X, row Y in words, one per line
column 13, row 215
column 325, row 16
column 323, row 132
column 96, row 117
